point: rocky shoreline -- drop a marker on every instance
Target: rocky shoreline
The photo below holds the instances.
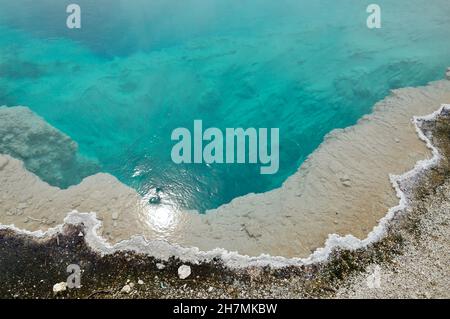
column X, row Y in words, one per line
column 411, row 258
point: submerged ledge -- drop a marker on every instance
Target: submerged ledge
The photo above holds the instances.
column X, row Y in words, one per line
column 343, row 188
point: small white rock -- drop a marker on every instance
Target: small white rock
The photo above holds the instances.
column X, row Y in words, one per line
column 126, row 289
column 59, row 287
column 140, row 282
column 210, row 289
column 160, row 266
column 184, row 271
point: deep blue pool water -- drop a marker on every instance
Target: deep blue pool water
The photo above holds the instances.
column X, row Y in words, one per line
column 137, row 70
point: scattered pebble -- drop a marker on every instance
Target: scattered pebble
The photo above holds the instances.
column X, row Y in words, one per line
column 59, row 287
column 184, row 271
column 160, row 266
column 140, row 282
column 126, row 289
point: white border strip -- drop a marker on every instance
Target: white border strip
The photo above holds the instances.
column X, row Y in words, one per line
column 164, row 250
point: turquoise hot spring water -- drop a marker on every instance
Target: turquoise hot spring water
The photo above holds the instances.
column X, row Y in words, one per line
column 136, row 70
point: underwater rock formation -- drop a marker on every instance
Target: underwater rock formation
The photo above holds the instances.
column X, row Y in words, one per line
column 45, row 150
